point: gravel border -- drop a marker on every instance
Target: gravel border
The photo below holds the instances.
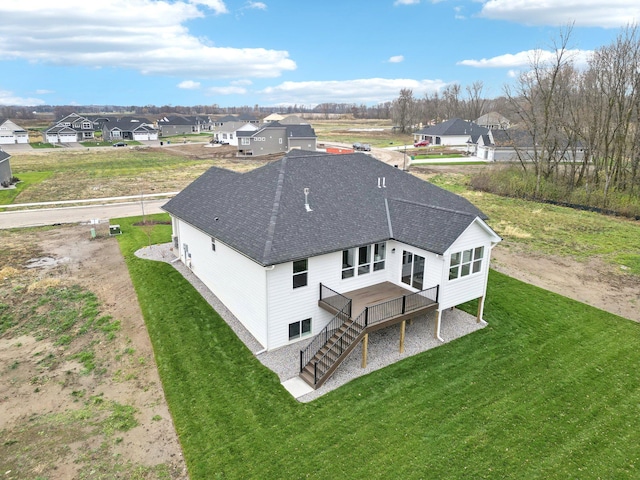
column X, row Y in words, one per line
column 383, row 348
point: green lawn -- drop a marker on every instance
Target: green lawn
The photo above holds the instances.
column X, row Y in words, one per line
column 549, row 389
column 27, row 179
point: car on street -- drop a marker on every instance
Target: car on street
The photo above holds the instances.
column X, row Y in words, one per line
column 422, row 143
column 120, row 144
column 361, row 147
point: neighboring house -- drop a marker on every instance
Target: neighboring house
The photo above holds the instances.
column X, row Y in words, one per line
column 293, row 120
column 10, row 133
column 128, row 130
column 273, row 117
column 493, row 121
column 183, row 125
column 276, row 138
column 455, row 132
column 290, row 248
column 71, row 129
column 225, row 128
column 516, row 145
column 5, row 169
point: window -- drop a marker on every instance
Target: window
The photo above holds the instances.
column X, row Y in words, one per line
column 413, row 270
column 300, row 270
column 348, row 263
column 213, row 244
column 364, row 260
column 299, row 329
column 465, row 263
column 245, row 141
column 363, row 257
column 379, row 251
column 280, row 141
column 86, row 125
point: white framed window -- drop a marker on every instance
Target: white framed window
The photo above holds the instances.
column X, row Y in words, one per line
column 213, row 244
column 86, row 125
column 364, row 260
column 466, row 263
column 280, row 141
column 379, row 255
column 300, row 273
column 245, row 141
column 299, row 329
column 348, row 263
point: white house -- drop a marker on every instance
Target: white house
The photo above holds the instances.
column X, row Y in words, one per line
column 10, row 133
column 454, row 132
column 290, row 247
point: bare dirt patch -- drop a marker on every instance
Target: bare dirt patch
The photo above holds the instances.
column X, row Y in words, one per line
column 60, row 420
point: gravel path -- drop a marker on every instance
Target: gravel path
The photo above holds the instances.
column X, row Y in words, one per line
column 383, row 347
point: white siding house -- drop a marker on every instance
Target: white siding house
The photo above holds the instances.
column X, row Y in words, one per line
column 11, row 134
column 267, row 242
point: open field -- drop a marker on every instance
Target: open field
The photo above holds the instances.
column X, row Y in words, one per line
column 378, row 133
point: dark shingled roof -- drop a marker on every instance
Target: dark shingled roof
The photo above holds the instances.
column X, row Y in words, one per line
column 455, row 126
column 3, row 155
column 262, row 213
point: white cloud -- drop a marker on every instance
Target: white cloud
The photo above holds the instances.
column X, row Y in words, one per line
column 396, row 59
column 585, row 13
column 406, row 2
column 242, row 81
column 367, row 90
column 150, row 38
column 43, row 91
column 523, row 59
column 230, row 90
column 257, row 5
column 216, row 5
column 8, row 98
column 189, row 85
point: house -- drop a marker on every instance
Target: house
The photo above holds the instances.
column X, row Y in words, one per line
column 273, row 117
column 5, row 169
column 225, row 128
column 517, row 145
column 493, row 121
column 296, row 247
column 10, row 133
column 276, row 138
column 455, row 132
column 183, row 125
column 71, row 129
column 128, row 130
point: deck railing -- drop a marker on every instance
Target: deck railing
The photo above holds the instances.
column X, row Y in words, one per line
column 352, row 328
column 343, row 305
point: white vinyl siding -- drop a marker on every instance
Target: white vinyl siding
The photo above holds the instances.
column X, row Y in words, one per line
column 236, row 280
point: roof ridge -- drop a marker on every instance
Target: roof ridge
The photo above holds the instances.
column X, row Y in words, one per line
column 274, row 211
column 444, row 209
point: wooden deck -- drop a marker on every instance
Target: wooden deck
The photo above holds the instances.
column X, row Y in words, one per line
column 373, row 295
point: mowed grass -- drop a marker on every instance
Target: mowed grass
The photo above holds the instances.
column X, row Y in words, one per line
column 549, row 389
column 27, row 180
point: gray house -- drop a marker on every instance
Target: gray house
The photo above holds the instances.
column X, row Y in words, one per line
column 127, row 130
column 316, row 246
column 5, row 169
column 276, row 138
column 183, row 125
column 71, row 129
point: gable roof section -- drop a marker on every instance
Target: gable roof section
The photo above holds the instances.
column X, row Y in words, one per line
column 3, row 155
column 262, row 213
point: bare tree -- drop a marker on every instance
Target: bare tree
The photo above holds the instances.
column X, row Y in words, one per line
column 474, row 102
column 404, row 110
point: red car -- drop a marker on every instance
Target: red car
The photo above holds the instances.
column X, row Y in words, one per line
column 421, row 143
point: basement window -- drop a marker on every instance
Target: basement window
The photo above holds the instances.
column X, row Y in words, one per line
column 299, row 329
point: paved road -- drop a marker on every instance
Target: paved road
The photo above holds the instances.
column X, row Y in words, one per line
column 83, row 214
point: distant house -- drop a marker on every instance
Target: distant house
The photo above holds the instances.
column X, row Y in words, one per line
column 273, row 117
column 10, row 133
column 454, row 132
column 172, row 125
column 276, row 138
column 128, row 130
column 517, row 145
column 71, row 129
column 294, row 247
column 493, row 121
column 5, row 169
column 225, row 128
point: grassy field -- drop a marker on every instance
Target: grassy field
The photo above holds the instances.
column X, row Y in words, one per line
column 549, row 389
column 378, row 133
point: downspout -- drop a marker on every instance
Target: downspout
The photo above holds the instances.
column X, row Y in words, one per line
column 266, row 306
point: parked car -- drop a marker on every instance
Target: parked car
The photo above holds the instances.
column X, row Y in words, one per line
column 363, row 147
column 120, row 144
column 422, row 143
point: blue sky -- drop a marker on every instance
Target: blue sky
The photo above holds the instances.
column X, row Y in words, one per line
column 281, row 52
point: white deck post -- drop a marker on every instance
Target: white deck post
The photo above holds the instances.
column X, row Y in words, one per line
column 438, row 319
column 480, row 309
